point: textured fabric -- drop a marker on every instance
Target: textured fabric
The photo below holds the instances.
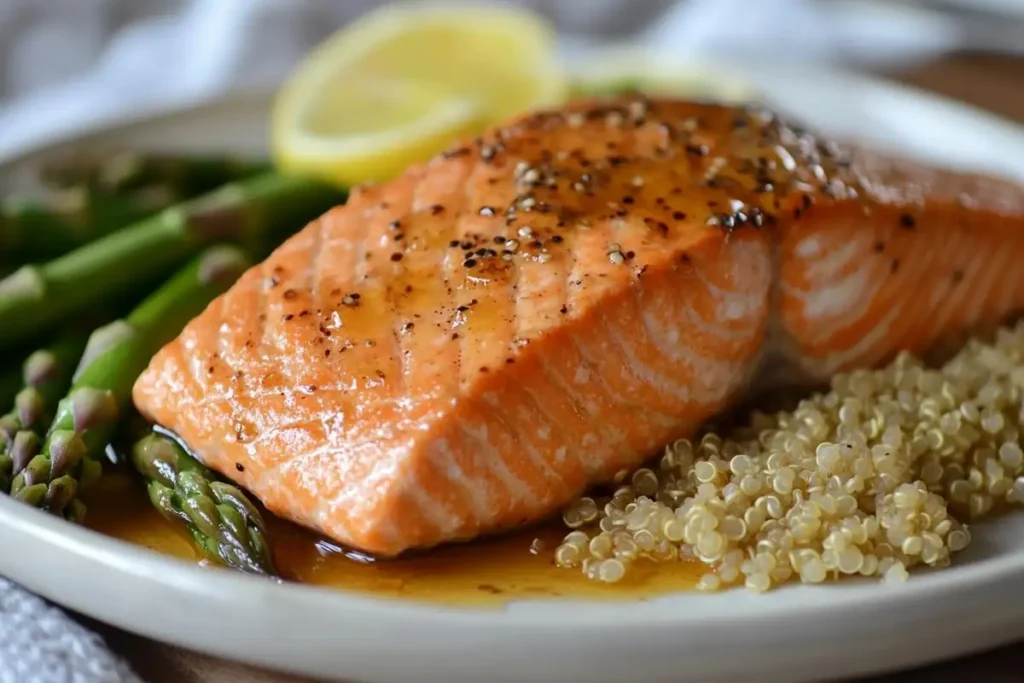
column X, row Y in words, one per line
column 41, row 644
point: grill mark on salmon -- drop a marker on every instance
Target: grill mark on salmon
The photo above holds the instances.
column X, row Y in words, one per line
column 393, row 378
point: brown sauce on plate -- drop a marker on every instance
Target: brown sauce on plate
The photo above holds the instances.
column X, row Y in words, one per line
column 489, row 572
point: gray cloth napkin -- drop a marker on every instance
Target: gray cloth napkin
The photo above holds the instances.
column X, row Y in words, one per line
column 40, row 643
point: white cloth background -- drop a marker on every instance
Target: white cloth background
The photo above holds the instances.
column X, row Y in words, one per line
column 64, row 63
column 67, row 63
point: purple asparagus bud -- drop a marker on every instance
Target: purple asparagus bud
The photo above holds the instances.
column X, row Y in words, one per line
column 221, row 266
column 92, row 407
column 42, row 366
column 101, row 341
column 9, row 426
column 66, row 449
column 62, row 491
column 26, row 445
column 29, row 405
column 214, row 217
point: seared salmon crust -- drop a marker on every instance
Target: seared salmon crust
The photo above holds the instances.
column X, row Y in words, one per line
column 468, row 347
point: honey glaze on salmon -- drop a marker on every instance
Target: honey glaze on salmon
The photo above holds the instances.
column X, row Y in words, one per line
column 488, row 573
column 465, row 349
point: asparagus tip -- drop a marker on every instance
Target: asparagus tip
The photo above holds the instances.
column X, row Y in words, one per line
column 42, row 366
column 156, row 458
column 29, row 404
column 66, row 448
column 26, row 282
column 60, row 493
column 92, row 407
column 222, row 265
column 9, row 426
column 33, row 495
column 212, row 216
column 25, row 446
column 230, row 495
column 101, row 341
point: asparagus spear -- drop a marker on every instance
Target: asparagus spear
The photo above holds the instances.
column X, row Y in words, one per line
column 256, row 213
column 93, row 198
column 183, row 176
column 46, row 375
column 225, row 525
column 31, row 230
column 114, row 357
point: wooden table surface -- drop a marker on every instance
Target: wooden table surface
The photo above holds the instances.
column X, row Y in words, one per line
column 993, row 83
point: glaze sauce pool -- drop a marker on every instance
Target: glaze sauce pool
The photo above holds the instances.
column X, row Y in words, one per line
column 484, row 573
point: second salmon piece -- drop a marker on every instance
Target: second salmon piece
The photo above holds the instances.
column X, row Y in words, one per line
column 466, row 348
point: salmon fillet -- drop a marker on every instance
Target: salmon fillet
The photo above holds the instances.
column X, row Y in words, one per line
column 464, row 349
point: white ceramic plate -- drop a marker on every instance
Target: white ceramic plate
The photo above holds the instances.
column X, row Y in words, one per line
column 797, row 633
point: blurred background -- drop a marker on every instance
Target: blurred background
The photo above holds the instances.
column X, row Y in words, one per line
column 68, row 62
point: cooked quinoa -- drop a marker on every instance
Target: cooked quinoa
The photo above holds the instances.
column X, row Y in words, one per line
column 877, row 475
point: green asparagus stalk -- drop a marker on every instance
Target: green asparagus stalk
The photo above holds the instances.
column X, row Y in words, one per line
column 255, row 213
column 88, row 200
column 32, row 229
column 114, row 357
column 224, row 523
column 46, row 375
column 127, row 171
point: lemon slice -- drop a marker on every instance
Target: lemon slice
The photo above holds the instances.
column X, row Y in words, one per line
column 403, row 82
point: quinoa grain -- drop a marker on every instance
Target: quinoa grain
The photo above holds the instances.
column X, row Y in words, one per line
column 876, row 476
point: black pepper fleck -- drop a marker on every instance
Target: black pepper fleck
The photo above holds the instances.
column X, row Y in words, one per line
column 907, row 222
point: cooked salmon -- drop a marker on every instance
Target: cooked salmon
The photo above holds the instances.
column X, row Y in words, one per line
column 468, row 347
